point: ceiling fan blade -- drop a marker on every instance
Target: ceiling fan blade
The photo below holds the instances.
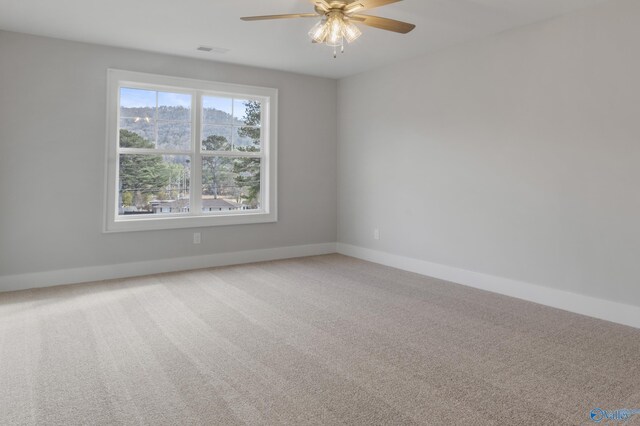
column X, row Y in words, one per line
column 321, row 5
column 384, row 23
column 362, row 5
column 295, row 15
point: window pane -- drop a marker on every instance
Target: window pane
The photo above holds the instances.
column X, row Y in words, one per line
column 153, row 184
column 174, row 135
column 137, row 103
column 216, row 138
column 174, row 106
column 246, row 139
column 216, row 110
column 230, row 184
column 137, row 133
column 246, row 112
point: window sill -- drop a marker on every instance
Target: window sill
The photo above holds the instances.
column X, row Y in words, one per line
column 179, row 222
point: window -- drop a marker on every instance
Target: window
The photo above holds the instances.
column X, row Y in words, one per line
column 188, row 153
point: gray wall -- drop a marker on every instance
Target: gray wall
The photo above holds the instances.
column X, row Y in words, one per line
column 516, row 156
column 52, row 156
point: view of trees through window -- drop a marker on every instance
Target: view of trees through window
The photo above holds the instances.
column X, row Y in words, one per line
column 156, row 160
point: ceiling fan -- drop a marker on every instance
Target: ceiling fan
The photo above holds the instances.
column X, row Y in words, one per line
column 338, row 17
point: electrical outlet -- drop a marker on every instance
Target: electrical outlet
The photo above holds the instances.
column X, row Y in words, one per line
column 376, row 234
column 197, row 238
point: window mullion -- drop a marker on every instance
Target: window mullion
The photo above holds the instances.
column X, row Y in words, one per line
column 152, row 151
column 196, row 169
column 232, row 154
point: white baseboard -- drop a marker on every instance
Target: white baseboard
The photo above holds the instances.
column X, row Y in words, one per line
column 572, row 302
column 107, row 272
column 586, row 305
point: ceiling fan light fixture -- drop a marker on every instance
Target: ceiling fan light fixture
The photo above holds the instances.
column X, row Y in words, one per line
column 334, row 30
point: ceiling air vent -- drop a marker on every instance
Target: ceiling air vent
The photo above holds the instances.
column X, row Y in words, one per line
column 212, row 49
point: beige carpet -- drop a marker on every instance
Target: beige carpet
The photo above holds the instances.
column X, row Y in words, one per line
column 321, row 340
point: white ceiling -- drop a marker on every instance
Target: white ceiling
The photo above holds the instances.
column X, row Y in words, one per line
column 179, row 27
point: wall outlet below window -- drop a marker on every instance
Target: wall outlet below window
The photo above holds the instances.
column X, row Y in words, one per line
column 376, row 234
column 197, row 238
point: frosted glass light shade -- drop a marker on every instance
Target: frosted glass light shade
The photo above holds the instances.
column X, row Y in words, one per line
column 319, row 32
column 351, row 32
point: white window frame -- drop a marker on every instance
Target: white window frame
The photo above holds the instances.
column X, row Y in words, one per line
column 113, row 222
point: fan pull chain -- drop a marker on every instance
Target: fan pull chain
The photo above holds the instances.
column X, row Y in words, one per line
column 335, row 49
